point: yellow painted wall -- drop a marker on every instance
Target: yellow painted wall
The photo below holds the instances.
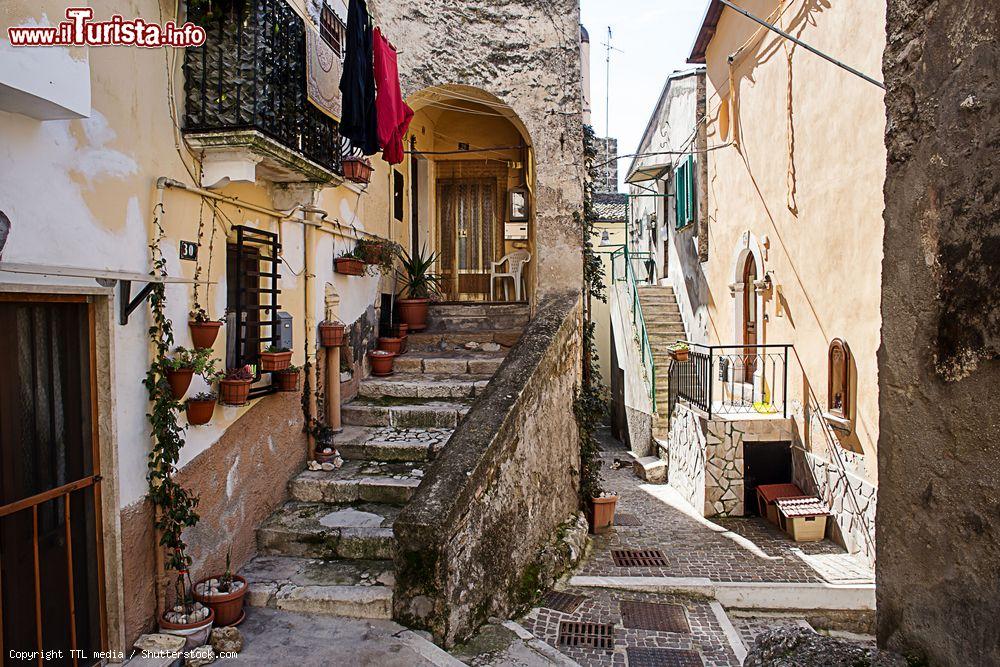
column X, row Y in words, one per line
column 819, row 208
column 600, row 310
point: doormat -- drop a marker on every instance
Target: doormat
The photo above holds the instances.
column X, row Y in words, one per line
column 653, row 616
column 663, row 657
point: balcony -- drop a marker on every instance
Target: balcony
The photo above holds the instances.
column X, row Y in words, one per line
column 733, row 381
column 245, row 103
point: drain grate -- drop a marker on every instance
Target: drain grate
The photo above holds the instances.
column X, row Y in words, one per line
column 653, row 616
column 663, row 657
column 638, row 558
column 587, row 635
column 564, row 602
column 626, row 519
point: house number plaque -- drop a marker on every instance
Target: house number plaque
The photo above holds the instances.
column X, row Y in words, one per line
column 189, row 251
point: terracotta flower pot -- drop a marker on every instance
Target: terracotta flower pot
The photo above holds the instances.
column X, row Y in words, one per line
column 414, row 313
column 680, row 355
column 381, row 362
column 602, row 514
column 287, row 380
column 331, row 334
column 196, row 634
column 180, row 380
column 203, row 334
column 349, row 266
column 275, row 361
column 200, row 413
column 357, row 170
column 394, row 345
column 320, row 457
column 227, row 607
column 234, row 392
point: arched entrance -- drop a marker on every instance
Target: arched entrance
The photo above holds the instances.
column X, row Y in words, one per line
column 748, row 307
column 750, row 315
column 472, row 193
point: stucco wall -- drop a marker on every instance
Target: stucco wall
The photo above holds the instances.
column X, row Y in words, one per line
column 939, row 511
column 469, row 541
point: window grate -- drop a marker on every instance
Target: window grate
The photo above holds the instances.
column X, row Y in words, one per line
column 564, row 602
column 638, row 558
column 587, row 635
column 252, row 281
column 653, row 616
column 663, row 657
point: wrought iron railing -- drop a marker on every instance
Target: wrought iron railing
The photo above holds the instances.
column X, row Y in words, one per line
column 623, row 271
column 251, row 75
column 723, row 380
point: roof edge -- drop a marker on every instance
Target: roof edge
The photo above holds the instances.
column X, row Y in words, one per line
column 706, row 32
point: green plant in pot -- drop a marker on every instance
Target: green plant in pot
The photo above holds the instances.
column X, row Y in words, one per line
column 350, row 264
column 379, row 254
column 234, row 388
column 419, row 285
column 324, row 435
column 204, row 330
column 223, row 594
column 288, row 379
column 679, row 351
column 275, row 358
column 200, row 408
column 183, row 364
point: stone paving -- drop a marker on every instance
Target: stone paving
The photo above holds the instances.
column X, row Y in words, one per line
column 723, row 550
column 603, row 606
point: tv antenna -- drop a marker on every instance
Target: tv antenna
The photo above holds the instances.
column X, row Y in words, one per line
column 608, row 48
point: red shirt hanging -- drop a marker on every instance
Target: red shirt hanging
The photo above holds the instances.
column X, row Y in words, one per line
column 393, row 113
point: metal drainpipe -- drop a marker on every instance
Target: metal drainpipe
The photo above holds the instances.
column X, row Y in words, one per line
column 312, row 220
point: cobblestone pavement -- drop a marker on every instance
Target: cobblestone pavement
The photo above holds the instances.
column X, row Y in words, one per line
column 437, row 437
column 706, row 634
column 723, row 550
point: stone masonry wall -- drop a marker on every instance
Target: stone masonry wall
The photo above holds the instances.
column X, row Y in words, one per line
column 685, row 455
column 527, row 54
column 470, row 542
column 938, row 517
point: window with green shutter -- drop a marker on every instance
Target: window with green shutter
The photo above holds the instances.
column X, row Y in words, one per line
column 684, row 193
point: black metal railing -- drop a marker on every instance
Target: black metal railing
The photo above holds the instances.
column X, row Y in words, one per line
column 251, row 75
column 725, row 380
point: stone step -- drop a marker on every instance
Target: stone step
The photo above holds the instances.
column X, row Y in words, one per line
column 436, row 340
column 358, row 481
column 404, row 412
column 320, row 530
column 452, row 362
column 670, row 321
column 651, row 309
column 385, row 443
column 468, row 317
column 356, row 589
column 423, row 385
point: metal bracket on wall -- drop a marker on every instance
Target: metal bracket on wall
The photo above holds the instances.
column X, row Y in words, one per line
column 126, row 304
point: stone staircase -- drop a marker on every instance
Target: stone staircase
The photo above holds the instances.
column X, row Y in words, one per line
column 665, row 327
column 330, row 548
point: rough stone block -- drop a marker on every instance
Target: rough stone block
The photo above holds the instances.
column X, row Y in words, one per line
column 449, row 366
column 349, row 601
column 408, row 364
column 650, row 469
column 484, row 366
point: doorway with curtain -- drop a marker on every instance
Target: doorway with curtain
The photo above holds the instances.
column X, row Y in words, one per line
column 470, row 232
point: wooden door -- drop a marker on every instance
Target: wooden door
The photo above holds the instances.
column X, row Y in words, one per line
column 469, row 229
column 749, row 318
column 51, row 563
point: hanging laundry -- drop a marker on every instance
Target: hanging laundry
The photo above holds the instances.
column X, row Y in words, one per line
column 394, row 114
column 359, row 123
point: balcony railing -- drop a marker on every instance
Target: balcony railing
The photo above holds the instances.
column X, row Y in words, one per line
column 725, row 380
column 251, row 75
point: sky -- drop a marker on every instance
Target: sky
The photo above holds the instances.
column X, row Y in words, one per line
column 655, row 38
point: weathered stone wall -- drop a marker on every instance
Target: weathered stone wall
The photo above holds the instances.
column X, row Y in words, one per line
column 469, row 542
column 939, row 510
column 527, row 54
column 239, row 481
column 685, row 455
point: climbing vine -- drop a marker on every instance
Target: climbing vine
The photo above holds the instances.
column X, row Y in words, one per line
column 174, row 504
column 590, row 404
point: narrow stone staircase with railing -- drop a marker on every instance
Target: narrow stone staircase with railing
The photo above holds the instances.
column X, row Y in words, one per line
column 330, row 548
column 664, row 326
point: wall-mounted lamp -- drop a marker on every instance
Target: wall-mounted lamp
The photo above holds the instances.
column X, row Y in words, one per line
column 605, row 238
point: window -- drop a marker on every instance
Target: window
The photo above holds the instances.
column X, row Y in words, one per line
column 839, row 383
column 251, row 296
column 332, row 29
column 684, row 199
column 397, row 194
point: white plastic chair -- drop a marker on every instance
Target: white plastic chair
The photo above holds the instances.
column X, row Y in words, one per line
column 515, row 264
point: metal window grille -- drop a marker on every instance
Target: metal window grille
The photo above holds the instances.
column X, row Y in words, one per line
column 332, row 29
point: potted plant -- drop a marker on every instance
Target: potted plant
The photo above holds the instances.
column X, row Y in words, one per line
column 401, row 331
column 602, row 512
column 391, row 344
column 679, row 351
column 223, row 595
column 234, row 388
column 381, row 362
column 357, row 169
column 204, row 330
column 377, row 253
column 275, row 358
column 188, row 617
column 331, row 334
column 288, row 379
column 349, row 264
column 324, row 450
column 200, row 408
column 182, row 365
column 419, row 285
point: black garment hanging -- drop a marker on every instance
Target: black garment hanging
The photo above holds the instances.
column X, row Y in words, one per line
column 359, row 122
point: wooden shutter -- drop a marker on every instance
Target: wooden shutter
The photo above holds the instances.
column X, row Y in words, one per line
column 689, row 189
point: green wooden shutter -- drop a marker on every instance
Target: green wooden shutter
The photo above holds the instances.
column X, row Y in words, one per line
column 689, row 189
column 680, row 199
